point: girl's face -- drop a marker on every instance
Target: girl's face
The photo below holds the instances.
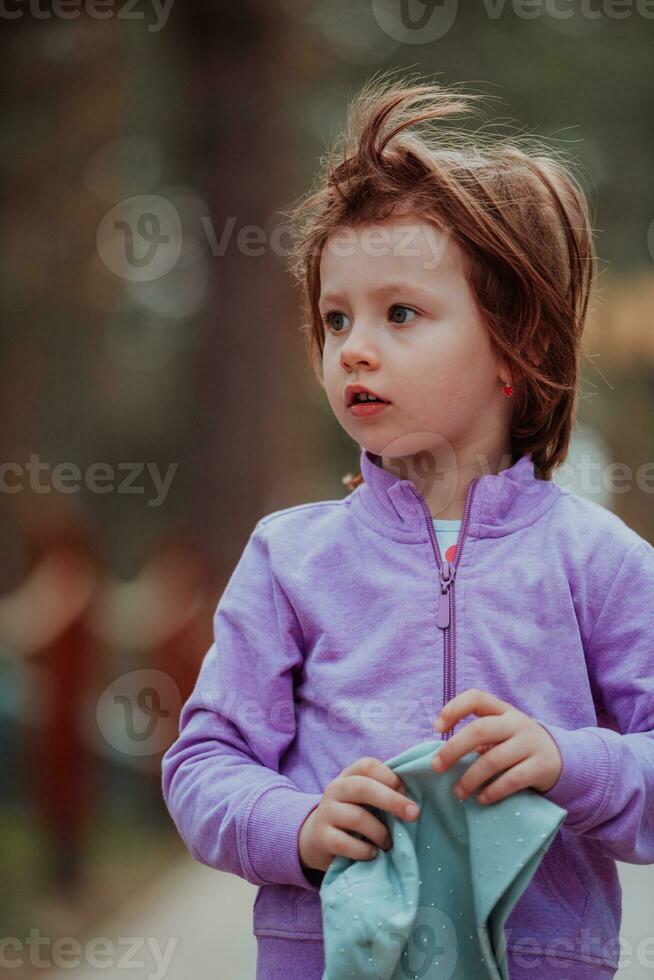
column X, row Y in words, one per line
column 400, row 319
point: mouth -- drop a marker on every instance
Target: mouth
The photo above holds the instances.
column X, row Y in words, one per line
column 368, row 408
column 360, row 395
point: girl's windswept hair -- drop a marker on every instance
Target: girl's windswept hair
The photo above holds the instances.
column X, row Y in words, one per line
column 511, row 203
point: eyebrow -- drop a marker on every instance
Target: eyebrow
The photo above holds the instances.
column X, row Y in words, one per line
column 386, row 290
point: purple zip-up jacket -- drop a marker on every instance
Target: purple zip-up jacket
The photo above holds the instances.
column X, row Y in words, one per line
column 341, row 633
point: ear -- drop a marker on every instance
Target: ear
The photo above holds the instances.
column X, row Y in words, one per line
column 538, row 350
column 535, row 353
column 503, row 372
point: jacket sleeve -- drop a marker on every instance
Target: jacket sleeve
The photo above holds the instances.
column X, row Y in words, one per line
column 607, row 779
column 220, row 777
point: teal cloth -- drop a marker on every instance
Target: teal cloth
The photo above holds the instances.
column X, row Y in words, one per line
column 435, row 904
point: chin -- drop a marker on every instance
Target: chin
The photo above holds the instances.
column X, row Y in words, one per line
column 410, row 443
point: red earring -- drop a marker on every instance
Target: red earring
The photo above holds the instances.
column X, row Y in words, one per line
column 508, row 390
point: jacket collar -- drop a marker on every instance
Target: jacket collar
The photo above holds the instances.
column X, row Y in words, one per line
column 500, row 502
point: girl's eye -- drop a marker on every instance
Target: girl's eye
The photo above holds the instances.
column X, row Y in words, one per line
column 334, row 319
column 401, row 308
column 331, row 317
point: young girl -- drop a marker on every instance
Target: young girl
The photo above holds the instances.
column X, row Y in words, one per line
column 456, row 589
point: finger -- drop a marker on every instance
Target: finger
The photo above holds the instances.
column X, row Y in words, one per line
column 368, row 765
column 339, row 842
column 363, row 790
column 349, row 816
column 502, row 756
column 491, row 729
column 470, row 701
column 514, row 779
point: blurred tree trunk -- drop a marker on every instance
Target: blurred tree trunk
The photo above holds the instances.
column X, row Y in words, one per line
column 236, row 143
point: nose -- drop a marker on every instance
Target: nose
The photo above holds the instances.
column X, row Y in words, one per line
column 359, row 349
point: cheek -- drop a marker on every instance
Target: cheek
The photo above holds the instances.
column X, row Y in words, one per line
column 332, row 381
column 467, row 367
column 447, row 382
column 327, row 366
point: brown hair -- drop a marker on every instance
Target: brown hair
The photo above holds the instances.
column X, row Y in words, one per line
column 519, row 214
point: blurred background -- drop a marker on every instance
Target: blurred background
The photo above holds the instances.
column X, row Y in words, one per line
column 156, row 398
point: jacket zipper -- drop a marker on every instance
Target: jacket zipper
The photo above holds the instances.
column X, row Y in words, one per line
column 445, row 615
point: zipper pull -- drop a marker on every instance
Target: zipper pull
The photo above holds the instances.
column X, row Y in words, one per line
column 443, row 611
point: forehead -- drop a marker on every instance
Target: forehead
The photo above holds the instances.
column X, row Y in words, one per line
column 407, row 248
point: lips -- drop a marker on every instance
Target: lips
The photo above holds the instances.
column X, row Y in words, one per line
column 364, row 410
column 351, row 392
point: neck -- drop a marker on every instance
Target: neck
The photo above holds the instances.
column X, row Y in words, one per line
column 444, row 480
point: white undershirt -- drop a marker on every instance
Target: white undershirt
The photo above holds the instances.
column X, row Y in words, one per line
column 447, row 531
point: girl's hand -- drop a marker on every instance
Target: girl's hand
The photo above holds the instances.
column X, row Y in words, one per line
column 511, row 742
column 324, row 832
